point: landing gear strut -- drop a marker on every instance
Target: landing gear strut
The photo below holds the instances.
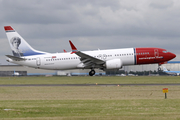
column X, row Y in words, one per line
column 92, row 72
column 159, row 67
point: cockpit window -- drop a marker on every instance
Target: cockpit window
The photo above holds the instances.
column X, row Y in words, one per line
column 164, row 51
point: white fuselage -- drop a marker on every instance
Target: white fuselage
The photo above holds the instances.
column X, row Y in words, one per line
column 63, row 61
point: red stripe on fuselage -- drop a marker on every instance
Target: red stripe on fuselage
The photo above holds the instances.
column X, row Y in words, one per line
column 151, row 55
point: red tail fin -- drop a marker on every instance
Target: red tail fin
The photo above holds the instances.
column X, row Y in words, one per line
column 8, row 28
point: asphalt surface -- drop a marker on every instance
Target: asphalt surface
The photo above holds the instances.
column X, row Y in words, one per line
column 61, row 85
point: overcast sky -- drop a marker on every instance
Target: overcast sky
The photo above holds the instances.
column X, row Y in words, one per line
column 48, row 25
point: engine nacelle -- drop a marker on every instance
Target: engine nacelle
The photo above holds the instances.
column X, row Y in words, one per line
column 114, row 64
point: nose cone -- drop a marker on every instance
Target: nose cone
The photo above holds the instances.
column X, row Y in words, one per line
column 172, row 55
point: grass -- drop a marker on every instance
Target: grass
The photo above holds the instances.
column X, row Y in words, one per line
column 90, row 102
column 92, row 109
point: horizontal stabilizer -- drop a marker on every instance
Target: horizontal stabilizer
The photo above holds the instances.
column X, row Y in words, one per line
column 15, row 58
column 164, row 69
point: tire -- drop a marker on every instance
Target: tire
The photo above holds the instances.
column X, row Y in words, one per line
column 92, row 72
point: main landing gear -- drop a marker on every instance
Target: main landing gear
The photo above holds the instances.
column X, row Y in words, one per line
column 92, row 72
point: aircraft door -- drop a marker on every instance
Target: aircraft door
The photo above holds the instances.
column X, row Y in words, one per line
column 38, row 61
column 156, row 53
column 104, row 56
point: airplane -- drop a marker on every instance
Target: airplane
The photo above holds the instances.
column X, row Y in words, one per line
column 171, row 72
column 24, row 54
column 15, row 73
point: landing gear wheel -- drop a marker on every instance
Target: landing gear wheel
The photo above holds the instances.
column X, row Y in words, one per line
column 159, row 68
column 92, row 72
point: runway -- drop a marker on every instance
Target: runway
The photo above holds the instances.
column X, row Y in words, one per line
column 81, row 85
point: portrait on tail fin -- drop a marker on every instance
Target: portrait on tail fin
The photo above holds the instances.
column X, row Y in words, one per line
column 16, row 41
column 19, row 47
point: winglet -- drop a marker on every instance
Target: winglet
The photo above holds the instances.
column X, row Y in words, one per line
column 65, row 51
column 74, row 49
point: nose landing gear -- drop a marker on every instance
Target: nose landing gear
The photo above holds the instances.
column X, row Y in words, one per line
column 92, row 72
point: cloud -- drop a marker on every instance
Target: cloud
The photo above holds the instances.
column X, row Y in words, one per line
column 93, row 24
column 161, row 4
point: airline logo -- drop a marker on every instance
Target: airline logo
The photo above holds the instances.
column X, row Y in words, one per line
column 9, row 29
column 18, row 45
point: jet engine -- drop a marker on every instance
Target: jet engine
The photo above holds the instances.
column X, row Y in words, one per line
column 114, row 64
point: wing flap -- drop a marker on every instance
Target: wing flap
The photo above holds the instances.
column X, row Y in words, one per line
column 85, row 58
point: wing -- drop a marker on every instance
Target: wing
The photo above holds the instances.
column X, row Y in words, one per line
column 15, row 58
column 87, row 60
